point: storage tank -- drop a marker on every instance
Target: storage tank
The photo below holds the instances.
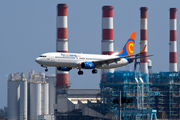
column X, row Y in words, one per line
column 35, row 100
column 51, row 79
column 23, row 97
column 45, row 98
column 13, row 98
column 149, row 64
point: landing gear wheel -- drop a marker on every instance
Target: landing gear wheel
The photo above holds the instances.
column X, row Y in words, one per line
column 45, row 67
column 59, row 68
column 80, row 72
column 94, row 71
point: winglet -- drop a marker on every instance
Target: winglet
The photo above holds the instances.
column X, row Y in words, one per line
column 143, row 50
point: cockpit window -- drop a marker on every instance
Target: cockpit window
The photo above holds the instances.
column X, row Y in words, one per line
column 42, row 56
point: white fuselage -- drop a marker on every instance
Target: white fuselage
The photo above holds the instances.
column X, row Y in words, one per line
column 74, row 60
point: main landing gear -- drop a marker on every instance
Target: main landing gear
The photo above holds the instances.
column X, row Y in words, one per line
column 45, row 67
column 94, row 71
column 80, row 72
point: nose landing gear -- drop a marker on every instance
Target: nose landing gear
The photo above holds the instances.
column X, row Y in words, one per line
column 45, row 67
column 46, row 70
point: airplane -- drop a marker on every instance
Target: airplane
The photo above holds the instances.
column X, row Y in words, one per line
column 67, row 61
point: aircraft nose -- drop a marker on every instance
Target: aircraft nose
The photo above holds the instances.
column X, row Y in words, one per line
column 37, row 60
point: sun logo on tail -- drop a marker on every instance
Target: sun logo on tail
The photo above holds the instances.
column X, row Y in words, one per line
column 130, row 47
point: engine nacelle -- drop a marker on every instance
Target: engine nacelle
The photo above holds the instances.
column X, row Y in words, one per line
column 87, row 65
column 64, row 68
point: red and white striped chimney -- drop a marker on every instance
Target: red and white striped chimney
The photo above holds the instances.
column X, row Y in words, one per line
column 173, row 44
column 62, row 78
column 107, row 33
column 143, row 42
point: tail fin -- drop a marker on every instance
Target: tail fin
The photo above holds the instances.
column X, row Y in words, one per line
column 129, row 46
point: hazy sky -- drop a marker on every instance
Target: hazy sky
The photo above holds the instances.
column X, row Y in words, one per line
column 28, row 29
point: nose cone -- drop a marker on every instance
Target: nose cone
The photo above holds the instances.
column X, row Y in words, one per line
column 37, row 60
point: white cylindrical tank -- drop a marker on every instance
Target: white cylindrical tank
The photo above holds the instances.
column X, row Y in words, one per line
column 13, row 99
column 35, row 100
column 45, row 98
column 52, row 91
column 23, row 100
column 149, row 63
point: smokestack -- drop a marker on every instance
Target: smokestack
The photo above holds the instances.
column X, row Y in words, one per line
column 107, row 33
column 143, row 42
column 172, row 44
column 62, row 78
column 143, row 37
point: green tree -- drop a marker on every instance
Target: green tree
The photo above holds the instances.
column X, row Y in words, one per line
column 3, row 112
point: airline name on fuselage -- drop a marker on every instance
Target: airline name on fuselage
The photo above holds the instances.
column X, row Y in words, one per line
column 69, row 55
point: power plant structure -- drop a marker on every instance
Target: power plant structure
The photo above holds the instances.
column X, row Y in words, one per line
column 122, row 95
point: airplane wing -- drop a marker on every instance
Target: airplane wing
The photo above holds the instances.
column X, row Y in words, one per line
column 108, row 61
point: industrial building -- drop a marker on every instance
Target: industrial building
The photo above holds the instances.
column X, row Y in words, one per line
column 153, row 95
column 167, row 84
column 30, row 97
column 33, row 98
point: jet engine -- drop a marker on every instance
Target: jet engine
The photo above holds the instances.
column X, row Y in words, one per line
column 87, row 65
column 64, row 68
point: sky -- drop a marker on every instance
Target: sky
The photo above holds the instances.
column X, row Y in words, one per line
column 28, row 29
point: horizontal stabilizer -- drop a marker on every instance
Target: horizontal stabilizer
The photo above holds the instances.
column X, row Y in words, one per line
column 139, row 57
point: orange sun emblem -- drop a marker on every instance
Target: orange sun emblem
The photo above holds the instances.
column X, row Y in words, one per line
column 130, row 47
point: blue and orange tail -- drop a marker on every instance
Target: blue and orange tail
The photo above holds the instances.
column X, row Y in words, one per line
column 128, row 48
